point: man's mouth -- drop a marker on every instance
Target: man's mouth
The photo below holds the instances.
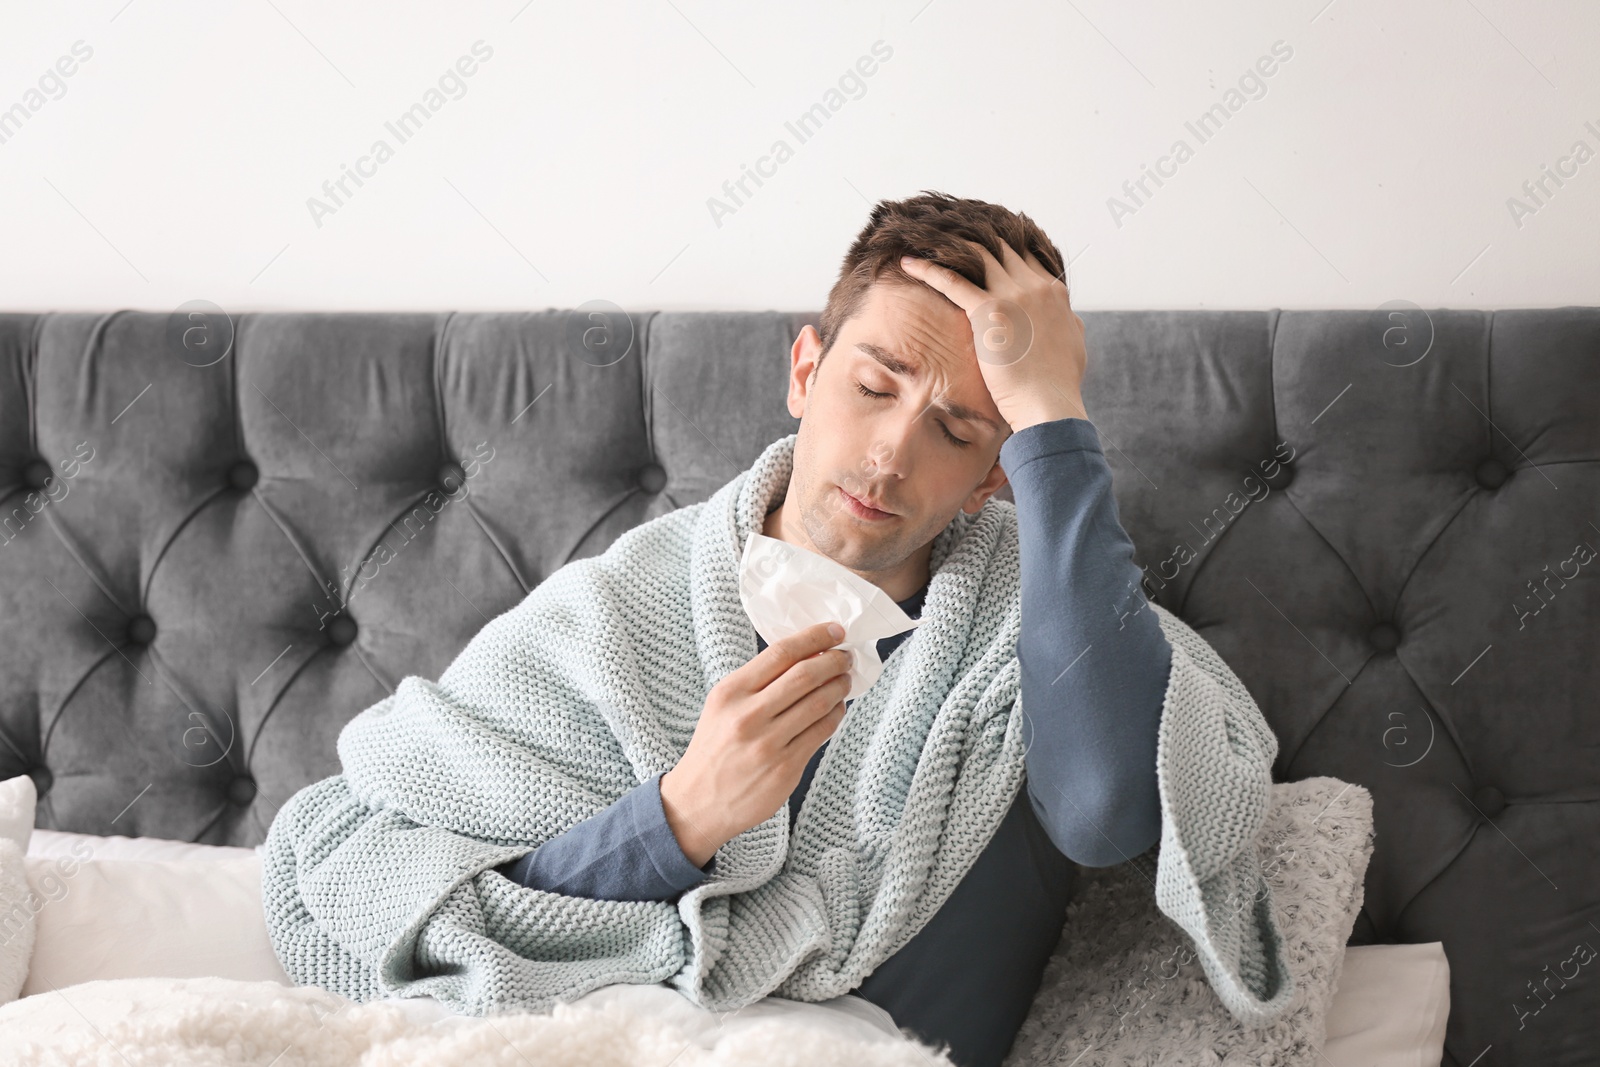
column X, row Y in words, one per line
column 863, row 510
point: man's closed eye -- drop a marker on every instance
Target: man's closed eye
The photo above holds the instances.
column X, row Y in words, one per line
column 952, row 438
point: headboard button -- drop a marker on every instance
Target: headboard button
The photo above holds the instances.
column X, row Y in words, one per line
column 241, row 791
column 36, row 474
column 242, row 475
column 141, row 630
column 452, row 477
column 1489, row 800
column 42, row 779
column 342, row 630
column 652, row 478
column 1491, row 474
column 1384, row 637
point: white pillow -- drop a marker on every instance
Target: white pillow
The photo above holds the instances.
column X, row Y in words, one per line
column 18, row 927
column 115, row 907
column 1391, row 1007
column 18, row 799
column 48, row 844
column 17, row 924
column 148, row 918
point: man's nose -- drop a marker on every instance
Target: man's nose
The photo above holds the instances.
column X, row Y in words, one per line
column 889, row 456
column 904, row 429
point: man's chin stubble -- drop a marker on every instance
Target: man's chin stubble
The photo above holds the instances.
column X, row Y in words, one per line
column 883, row 556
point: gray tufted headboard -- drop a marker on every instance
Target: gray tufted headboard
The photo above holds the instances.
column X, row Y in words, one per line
column 214, row 555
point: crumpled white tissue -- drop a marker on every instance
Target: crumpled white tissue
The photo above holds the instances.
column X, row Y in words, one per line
column 786, row 588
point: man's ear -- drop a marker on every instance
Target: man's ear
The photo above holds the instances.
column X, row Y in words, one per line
column 985, row 489
column 805, row 359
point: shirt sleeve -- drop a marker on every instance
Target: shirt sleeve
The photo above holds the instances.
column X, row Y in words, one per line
column 625, row 852
column 1094, row 660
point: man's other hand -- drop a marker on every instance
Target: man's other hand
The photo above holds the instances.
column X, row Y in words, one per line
column 1029, row 342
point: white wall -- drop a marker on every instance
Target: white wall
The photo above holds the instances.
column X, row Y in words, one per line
column 1377, row 164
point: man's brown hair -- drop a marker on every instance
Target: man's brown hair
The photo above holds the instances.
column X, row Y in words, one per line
column 929, row 225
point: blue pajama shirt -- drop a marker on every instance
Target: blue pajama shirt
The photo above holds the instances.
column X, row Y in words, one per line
column 1094, row 674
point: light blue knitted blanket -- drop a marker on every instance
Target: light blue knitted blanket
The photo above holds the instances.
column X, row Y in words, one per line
column 378, row 881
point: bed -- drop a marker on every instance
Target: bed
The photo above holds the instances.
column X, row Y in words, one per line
column 214, row 556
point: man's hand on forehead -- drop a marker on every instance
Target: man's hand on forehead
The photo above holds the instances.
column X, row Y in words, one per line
column 1028, row 339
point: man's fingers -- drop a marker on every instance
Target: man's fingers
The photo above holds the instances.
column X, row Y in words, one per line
column 1000, row 279
column 800, row 716
column 962, row 293
column 810, row 675
column 821, row 729
column 1016, row 270
column 1042, row 271
column 778, row 657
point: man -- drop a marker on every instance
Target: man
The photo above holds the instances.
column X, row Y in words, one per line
column 614, row 782
column 912, row 407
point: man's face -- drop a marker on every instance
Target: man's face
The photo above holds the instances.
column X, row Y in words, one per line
column 923, row 449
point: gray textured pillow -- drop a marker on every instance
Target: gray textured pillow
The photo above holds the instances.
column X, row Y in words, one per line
column 1124, row 988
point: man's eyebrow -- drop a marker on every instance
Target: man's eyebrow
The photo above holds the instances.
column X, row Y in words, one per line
column 895, row 365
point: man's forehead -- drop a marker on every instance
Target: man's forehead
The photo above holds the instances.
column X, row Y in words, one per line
column 919, row 327
column 927, row 319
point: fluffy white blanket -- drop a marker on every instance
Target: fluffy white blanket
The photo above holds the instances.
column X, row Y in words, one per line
column 200, row 1022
